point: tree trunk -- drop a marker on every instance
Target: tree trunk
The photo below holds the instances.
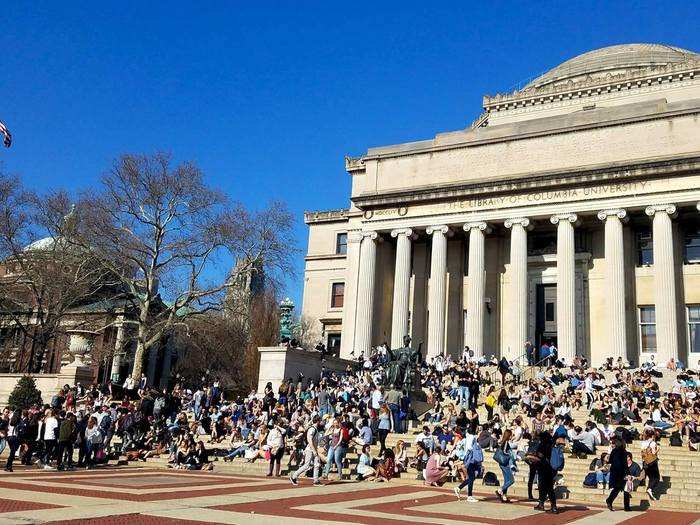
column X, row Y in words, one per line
column 139, row 354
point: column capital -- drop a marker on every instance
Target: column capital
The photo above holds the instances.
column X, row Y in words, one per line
column 616, row 212
column 669, row 209
column 408, row 232
column 523, row 221
column 479, row 225
column 571, row 217
column 441, row 228
column 372, row 236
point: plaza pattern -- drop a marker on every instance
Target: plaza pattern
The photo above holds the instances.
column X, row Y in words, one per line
column 134, row 495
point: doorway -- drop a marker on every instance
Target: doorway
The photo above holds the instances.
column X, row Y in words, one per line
column 546, row 314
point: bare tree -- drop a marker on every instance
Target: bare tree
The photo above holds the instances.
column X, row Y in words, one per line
column 165, row 233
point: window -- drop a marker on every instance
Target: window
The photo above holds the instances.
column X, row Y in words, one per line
column 647, row 328
column 694, row 328
column 333, row 344
column 691, row 245
column 643, row 245
column 337, row 295
column 341, row 243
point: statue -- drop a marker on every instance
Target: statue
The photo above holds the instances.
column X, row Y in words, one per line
column 286, row 324
column 402, row 369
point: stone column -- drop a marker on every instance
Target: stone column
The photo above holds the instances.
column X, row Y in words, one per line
column 402, row 287
column 118, row 353
column 516, row 334
column 365, row 294
column 664, row 282
column 347, row 339
column 436, row 291
column 566, row 285
column 477, row 285
column 615, row 292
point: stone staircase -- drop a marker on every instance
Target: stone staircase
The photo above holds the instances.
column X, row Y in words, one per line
column 678, row 490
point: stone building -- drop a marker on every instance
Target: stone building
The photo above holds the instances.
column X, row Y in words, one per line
column 567, row 212
column 96, row 323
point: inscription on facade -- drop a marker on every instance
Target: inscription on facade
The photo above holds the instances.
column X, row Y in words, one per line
column 549, row 196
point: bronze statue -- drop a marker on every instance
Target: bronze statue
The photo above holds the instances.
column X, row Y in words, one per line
column 402, row 369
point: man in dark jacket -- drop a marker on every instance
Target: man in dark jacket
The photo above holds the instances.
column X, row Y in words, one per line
column 66, row 436
column 618, row 472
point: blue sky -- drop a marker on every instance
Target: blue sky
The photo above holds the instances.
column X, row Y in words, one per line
column 267, row 97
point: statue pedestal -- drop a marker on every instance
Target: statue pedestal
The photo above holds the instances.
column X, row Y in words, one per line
column 75, row 372
column 278, row 363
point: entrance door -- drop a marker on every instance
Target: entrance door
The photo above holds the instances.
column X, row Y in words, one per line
column 546, row 318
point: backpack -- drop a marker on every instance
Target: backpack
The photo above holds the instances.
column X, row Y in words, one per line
column 475, row 455
column 590, row 480
column 556, row 460
column 490, row 479
column 676, row 440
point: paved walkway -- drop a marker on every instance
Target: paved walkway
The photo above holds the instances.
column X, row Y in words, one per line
column 149, row 496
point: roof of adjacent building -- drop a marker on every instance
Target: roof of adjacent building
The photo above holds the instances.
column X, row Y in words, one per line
column 613, row 59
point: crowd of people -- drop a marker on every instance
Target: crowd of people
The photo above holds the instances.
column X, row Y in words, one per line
column 474, row 406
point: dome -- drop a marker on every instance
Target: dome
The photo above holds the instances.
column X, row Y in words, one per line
column 613, row 60
column 45, row 244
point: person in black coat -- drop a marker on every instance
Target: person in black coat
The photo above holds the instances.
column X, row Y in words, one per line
column 545, row 472
column 618, row 472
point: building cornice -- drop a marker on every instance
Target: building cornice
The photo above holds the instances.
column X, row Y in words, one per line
column 673, row 165
column 326, row 216
column 593, row 85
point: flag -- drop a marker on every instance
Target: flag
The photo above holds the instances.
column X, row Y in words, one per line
column 7, row 140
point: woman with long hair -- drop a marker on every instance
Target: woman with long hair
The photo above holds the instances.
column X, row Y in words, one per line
column 504, row 453
column 435, row 472
column 384, row 426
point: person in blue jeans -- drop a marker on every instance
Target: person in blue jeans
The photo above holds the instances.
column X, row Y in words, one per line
column 506, row 469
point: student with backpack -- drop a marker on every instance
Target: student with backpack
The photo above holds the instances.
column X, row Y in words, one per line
column 312, row 458
column 473, row 458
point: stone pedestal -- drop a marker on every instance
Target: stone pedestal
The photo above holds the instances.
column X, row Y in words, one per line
column 278, row 363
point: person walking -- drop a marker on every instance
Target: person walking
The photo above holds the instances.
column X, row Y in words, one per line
column 312, row 458
column 13, row 437
column 545, row 473
column 504, row 458
column 618, row 473
column 472, row 456
column 650, row 461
